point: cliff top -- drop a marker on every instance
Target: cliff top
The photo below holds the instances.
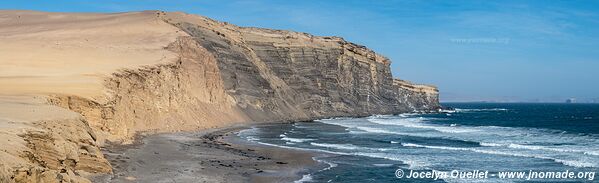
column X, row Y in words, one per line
column 277, row 37
column 429, row 89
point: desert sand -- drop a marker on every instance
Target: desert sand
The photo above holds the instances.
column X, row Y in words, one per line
column 49, row 53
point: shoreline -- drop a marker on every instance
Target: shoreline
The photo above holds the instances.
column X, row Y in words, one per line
column 212, row 155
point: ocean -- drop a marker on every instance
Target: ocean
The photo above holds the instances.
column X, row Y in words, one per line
column 495, row 138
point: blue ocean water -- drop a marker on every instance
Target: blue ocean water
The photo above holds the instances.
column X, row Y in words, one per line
column 475, row 136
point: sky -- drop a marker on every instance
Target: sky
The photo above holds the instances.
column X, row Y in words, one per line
column 508, row 51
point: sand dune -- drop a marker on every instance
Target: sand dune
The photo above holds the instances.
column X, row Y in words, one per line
column 45, row 53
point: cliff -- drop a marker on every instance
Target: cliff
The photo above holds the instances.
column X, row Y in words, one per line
column 74, row 81
column 277, row 75
column 417, row 97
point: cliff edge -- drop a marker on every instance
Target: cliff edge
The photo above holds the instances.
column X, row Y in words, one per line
column 71, row 82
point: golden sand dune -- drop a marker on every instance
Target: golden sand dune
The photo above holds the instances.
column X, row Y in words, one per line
column 45, row 53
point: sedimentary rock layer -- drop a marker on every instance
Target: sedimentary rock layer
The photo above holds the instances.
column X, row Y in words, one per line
column 75, row 81
column 279, row 75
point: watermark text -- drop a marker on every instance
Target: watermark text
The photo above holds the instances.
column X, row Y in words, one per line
column 485, row 174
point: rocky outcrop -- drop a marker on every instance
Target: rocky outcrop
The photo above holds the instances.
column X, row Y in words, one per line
column 210, row 74
column 61, row 152
column 416, row 97
column 60, row 147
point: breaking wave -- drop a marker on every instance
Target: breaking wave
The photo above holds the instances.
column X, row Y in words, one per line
column 295, row 140
column 574, row 163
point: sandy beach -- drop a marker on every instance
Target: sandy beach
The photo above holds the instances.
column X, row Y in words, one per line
column 216, row 155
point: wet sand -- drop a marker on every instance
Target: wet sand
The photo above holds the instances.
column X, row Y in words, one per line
column 208, row 156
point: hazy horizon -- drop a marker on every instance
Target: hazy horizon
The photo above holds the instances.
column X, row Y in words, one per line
column 505, row 51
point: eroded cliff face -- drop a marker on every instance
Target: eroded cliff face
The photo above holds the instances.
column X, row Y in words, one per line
column 288, row 76
column 416, row 97
column 46, row 143
column 186, row 94
column 214, row 74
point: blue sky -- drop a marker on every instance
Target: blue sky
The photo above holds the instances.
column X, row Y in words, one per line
column 472, row 50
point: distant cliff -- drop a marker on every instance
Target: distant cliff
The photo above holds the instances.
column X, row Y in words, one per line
column 152, row 71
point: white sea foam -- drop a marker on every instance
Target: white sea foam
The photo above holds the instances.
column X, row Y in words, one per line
column 433, row 147
column 376, row 130
column 380, row 116
column 533, row 147
column 417, row 163
column 413, row 162
column 565, row 149
column 302, row 149
column 305, row 178
column 447, row 111
column 373, row 129
column 490, row 144
column 574, row 163
column 479, row 110
column 295, row 140
column 594, row 153
column 297, row 125
column 336, row 146
column 405, row 115
column 382, row 165
column 419, row 123
column 252, row 138
column 331, row 164
column 348, row 147
column 458, row 110
column 248, row 132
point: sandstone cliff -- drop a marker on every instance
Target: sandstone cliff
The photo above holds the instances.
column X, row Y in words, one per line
column 279, row 75
column 74, row 81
